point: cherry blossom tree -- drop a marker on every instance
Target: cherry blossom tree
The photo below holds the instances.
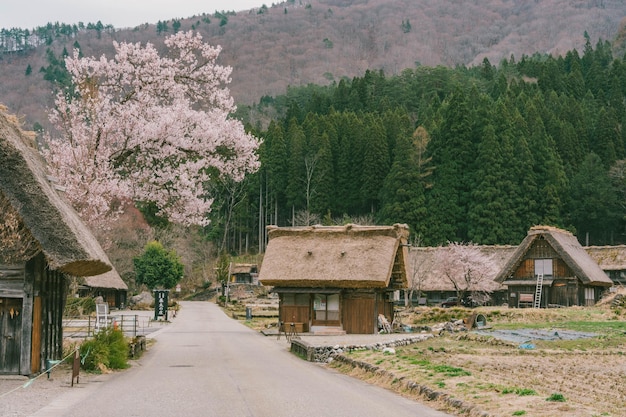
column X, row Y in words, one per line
column 149, row 128
column 470, row 271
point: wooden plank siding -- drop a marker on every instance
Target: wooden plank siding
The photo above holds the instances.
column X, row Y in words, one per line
column 35, row 365
column 53, row 296
column 358, row 314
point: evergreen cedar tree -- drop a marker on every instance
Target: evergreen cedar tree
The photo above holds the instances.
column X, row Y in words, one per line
column 148, row 128
column 534, row 141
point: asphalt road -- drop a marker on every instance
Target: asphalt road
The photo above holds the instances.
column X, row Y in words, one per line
column 206, row 364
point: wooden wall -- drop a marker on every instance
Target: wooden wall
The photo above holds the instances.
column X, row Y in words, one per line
column 40, row 294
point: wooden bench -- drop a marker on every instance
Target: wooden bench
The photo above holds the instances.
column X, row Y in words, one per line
column 526, row 300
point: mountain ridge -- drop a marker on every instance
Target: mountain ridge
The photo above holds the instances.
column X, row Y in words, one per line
column 322, row 41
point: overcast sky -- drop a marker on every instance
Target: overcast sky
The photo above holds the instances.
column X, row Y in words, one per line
column 28, row 14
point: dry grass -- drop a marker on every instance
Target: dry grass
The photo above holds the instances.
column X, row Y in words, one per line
column 501, row 379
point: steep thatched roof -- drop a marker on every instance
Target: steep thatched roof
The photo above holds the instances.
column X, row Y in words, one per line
column 111, row 280
column 569, row 250
column 335, row 256
column 609, row 258
column 425, row 273
column 63, row 238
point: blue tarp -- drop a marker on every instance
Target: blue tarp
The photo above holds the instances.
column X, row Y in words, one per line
column 528, row 335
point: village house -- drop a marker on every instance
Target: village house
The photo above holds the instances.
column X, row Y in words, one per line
column 612, row 260
column 428, row 285
column 42, row 243
column 551, row 268
column 244, row 274
column 336, row 279
column 110, row 286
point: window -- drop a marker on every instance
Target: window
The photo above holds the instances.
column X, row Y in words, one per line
column 326, row 307
column 543, row 267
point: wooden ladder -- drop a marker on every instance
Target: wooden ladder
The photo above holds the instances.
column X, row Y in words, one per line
column 538, row 290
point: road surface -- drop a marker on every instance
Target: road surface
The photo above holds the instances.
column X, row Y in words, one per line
column 206, row 364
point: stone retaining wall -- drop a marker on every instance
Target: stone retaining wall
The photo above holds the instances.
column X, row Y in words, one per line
column 314, row 353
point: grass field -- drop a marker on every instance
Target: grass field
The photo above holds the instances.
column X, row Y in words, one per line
column 575, row 378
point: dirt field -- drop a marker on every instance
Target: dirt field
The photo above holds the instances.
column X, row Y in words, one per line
column 574, row 378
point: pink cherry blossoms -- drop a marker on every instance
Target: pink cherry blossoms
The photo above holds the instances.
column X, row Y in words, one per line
column 468, row 269
column 142, row 127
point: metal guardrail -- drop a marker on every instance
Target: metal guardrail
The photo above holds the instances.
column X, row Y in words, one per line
column 132, row 325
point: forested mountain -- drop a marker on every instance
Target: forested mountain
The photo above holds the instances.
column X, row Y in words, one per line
column 467, row 120
column 466, row 154
column 297, row 42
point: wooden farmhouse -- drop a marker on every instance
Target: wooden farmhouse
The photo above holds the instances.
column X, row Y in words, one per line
column 244, row 274
column 110, row 286
column 551, row 268
column 612, row 260
column 336, row 279
column 42, row 242
column 428, row 285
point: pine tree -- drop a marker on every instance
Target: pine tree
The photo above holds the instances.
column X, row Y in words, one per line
column 375, row 161
column 453, row 155
column 550, row 175
column 402, row 195
column 594, row 210
column 296, row 169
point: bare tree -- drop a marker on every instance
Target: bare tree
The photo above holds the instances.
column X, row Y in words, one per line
column 419, row 268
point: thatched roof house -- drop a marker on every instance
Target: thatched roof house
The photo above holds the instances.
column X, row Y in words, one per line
column 110, row 286
column 42, row 240
column 612, row 260
column 426, row 276
column 336, row 277
column 568, row 274
column 65, row 241
column 244, row 273
column 335, row 256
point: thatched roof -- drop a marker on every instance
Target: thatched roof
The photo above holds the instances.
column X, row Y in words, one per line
column 609, row 258
column 424, row 270
column 243, row 268
column 335, row 256
column 63, row 238
column 569, row 250
column 111, row 280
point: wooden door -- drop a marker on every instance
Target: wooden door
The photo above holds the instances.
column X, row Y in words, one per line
column 359, row 315
column 10, row 335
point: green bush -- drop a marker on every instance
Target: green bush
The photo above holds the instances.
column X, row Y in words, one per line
column 556, row 397
column 108, row 348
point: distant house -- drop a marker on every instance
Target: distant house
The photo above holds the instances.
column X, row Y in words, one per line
column 550, row 267
column 612, row 260
column 336, row 278
column 430, row 286
column 244, row 274
column 42, row 242
column 109, row 286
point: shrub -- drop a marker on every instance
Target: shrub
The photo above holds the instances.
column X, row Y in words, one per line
column 108, row 348
column 75, row 307
column 556, row 397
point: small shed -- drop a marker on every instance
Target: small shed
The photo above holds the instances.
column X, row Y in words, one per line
column 244, row 274
column 42, row 242
column 551, row 268
column 336, row 278
column 110, row 286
